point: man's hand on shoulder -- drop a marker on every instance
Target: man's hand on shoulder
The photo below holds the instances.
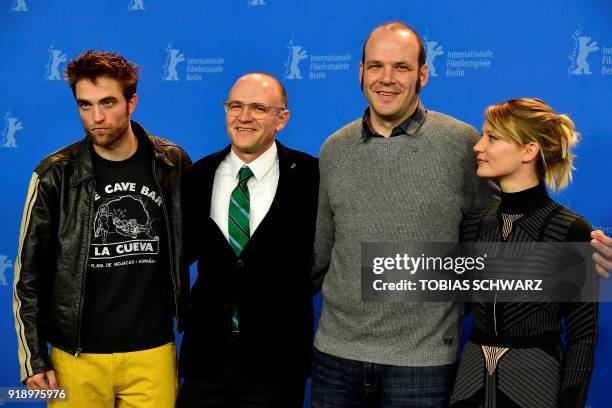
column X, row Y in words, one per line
column 603, row 257
column 43, row 381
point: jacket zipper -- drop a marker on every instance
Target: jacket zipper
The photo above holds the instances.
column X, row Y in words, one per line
column 504, row 239
column 89, row 227
column 495, row 314
column 169, row 236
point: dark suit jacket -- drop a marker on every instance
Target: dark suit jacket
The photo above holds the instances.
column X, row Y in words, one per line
column 269, row 281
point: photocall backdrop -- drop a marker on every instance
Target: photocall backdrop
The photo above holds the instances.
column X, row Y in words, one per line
column 191, row 52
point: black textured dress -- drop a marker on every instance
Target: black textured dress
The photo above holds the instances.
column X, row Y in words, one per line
column 515, row 357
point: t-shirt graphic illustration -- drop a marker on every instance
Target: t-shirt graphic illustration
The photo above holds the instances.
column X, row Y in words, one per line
column 128, row 289
column 123, row 226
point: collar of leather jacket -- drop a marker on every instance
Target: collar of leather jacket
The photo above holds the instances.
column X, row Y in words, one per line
column 83, row 160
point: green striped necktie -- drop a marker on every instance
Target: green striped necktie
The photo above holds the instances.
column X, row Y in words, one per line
column 239, row 208
column 238, row 223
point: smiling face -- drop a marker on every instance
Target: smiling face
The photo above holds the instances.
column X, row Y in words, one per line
column 104, row 111
column 251, row 137
column 391, row 76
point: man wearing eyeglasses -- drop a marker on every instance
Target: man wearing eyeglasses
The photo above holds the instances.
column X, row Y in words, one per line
column 250, row 214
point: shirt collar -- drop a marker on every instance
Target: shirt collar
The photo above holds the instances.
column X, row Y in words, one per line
column 408, row 127
column 260, row 166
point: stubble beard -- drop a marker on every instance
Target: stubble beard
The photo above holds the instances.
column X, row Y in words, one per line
column 392, row 117
column 111, row 137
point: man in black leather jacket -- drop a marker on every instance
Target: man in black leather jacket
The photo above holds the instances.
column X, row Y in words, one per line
column 99, row 274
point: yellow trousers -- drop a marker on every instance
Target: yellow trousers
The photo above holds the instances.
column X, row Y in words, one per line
column 137, row 379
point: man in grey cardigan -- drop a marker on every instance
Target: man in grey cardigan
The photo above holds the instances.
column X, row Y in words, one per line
column 400, row 173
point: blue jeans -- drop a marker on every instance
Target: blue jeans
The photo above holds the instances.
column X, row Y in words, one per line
column 342, row 383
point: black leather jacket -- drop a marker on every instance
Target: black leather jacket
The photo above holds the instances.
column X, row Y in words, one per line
column 54, row 243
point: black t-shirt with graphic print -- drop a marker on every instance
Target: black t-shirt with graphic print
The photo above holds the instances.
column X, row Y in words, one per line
column 128, row 298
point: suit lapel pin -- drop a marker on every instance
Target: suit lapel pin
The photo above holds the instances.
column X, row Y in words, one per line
column 292, row 166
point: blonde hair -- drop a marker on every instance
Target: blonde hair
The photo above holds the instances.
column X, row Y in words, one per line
column 525, row 120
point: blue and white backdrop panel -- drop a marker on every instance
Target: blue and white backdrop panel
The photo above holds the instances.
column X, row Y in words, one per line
column 190, row 52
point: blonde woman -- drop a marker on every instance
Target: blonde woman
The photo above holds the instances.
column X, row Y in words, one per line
column 515, row 357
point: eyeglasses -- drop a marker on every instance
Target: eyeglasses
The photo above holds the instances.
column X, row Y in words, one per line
column 258, row 110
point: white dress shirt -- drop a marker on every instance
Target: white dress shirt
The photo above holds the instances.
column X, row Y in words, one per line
column 262, row 187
